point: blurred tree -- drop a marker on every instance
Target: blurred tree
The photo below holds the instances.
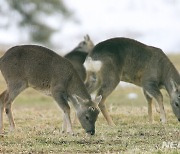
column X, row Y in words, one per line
column 34, row 16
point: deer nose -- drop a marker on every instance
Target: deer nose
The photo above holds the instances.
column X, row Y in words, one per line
column 179, row 119
column 91, row 132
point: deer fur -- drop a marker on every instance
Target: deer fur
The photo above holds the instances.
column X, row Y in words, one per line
column 123, row 59
column 78, row 55
column 44, row 70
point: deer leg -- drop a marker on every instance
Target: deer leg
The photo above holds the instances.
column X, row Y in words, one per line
column 75, row 119
column 157, row 107
column 161, row 109
column 2, row 96
column 154, row 91
column 68, row 121
column 67, row 126
column 149, row 100
column 92, row 82
column 10, row 116
column 1, row 117
column 62, row 102
column 105, row 113
column 64, row 125
column 13, row 91
column 109, row 83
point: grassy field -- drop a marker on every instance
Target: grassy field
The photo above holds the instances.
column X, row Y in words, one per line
column 38, row 126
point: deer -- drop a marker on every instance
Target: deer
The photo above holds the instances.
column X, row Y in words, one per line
column 124, row 59
column 44, row 70
column 78, row 55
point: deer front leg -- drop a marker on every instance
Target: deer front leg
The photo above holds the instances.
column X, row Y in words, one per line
column 105, row 113
column 75, row 118
column 154, row 91
column 109, row 83
column 92, row 82
column 149, row 101
column 150, row 112
column 62, row 102
column 67, row 122
column 162, row 111
column 157, row 107
column 64, row 124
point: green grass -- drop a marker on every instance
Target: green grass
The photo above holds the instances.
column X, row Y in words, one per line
column 38, row 126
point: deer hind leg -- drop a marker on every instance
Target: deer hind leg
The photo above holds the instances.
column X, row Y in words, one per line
column 9, row 112
column 2, row 97
column 13, row 91
column 154, row 91
column 62, row 102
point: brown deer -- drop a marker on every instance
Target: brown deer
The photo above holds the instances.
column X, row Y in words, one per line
column 44, row 70
column 78, row 55
column 123, row 59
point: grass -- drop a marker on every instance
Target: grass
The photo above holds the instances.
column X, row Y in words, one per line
column 38, row 126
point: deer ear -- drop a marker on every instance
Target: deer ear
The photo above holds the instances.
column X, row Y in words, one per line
column 79, row 100
column 174, row 85
column 86, row 37
column 98, row 99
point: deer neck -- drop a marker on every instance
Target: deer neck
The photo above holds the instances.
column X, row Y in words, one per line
column 78, row 88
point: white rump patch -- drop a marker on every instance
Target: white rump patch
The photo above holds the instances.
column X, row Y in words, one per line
column 92, row 65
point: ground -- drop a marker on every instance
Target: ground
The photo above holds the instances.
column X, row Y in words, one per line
column 38, row 126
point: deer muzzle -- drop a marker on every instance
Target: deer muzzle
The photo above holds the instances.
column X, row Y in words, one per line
column 91, row 132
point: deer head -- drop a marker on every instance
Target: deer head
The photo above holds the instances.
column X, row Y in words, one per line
column 86, row 45
column 87, row 112
column 175, row 98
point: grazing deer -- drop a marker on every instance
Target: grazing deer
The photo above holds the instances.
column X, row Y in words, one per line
column 44, row 70
column 78, row 55
column 123, row 59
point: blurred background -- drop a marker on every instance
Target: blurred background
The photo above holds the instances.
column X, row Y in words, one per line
column 61, row 24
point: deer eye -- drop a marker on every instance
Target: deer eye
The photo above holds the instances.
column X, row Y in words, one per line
column 83, row 43
column 87, row 118
column 176, row 104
